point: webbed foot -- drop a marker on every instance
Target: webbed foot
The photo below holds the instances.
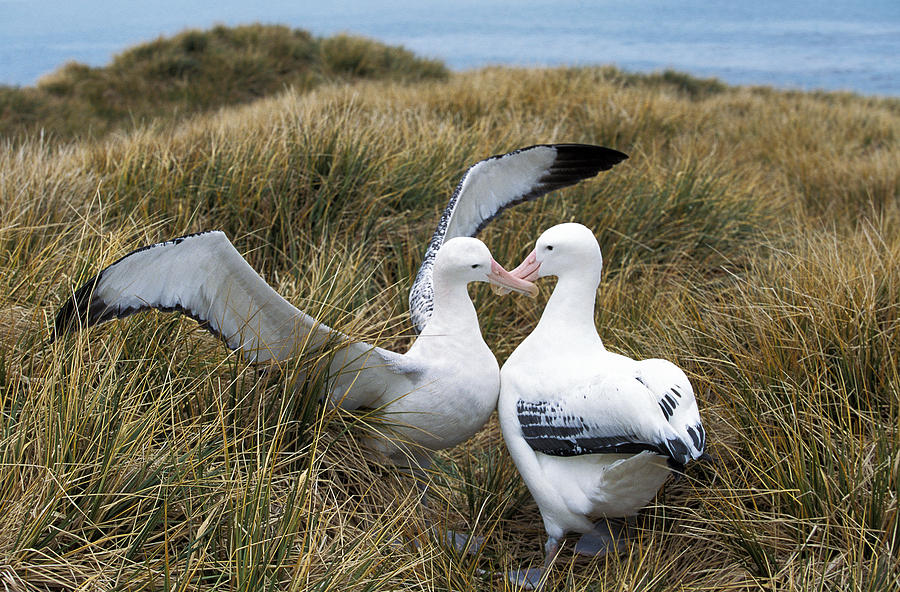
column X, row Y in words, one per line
column 460, row 542
column 606, row 537
column 529, row 579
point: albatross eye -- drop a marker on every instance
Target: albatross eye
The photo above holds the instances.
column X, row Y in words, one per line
column 549, row 247
column 475, row 266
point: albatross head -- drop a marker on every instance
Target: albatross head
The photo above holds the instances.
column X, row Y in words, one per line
column 463, row 260
column 562, row 250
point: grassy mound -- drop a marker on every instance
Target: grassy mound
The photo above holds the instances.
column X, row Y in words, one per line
column 198, row 71
column 752, row 238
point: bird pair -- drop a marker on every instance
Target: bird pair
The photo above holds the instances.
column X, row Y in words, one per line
column 592, row 433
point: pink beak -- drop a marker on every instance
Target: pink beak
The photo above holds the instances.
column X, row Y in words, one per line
column 506, row 282
column 528, row 269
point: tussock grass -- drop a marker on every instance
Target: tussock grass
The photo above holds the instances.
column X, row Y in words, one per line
column 751, row 238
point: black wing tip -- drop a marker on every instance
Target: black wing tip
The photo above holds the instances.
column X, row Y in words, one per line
column 590, row 159
column 574, row 163
column 82, row 310
column 674, row 465
column 79, row 311
column 679, row 453
column 582, row 155
column 602, row 155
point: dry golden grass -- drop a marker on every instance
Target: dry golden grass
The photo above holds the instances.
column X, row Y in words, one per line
column 752, row 238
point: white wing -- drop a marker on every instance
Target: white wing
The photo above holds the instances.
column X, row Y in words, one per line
column 496, row 183
column 203, row 276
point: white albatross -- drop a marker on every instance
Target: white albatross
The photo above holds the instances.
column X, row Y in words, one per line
column 442, row 390
column 593, row 434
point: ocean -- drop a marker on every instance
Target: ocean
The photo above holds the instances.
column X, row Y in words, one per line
column 791, row 44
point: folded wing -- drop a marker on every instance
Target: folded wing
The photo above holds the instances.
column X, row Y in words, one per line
column 608, row 416
column 675, row 397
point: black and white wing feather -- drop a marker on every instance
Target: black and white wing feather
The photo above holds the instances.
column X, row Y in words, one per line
column 499, row 182
column 203, row 276
column 609, row 416
column 675, row 398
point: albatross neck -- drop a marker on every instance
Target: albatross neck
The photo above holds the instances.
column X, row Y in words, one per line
column 569, row 313
column 453, row 311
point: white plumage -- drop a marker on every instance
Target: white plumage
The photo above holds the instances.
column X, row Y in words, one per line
column 594, row 434
column 442, row 390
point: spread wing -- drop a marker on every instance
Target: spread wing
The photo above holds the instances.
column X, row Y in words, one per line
column 610, row 415
column 203, row 276
column 496, row 183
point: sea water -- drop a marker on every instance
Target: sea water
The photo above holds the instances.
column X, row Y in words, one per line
column 797, row 44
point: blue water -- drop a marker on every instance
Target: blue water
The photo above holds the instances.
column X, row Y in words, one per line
column 799, row 44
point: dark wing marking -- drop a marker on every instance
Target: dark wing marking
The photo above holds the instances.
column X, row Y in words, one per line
column 671, row 389
column 490, row 186
column 548, row 429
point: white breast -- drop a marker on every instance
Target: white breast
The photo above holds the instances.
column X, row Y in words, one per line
column 455, row 399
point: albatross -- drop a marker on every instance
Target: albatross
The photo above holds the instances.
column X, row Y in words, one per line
column 442, row 390
column 594, row 434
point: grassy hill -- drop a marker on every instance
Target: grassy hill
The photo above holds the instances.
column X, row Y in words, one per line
column 197, row 71
column 752, row 237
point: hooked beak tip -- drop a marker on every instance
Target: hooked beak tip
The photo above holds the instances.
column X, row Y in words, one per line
column 528, row 269
column 503, row 282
